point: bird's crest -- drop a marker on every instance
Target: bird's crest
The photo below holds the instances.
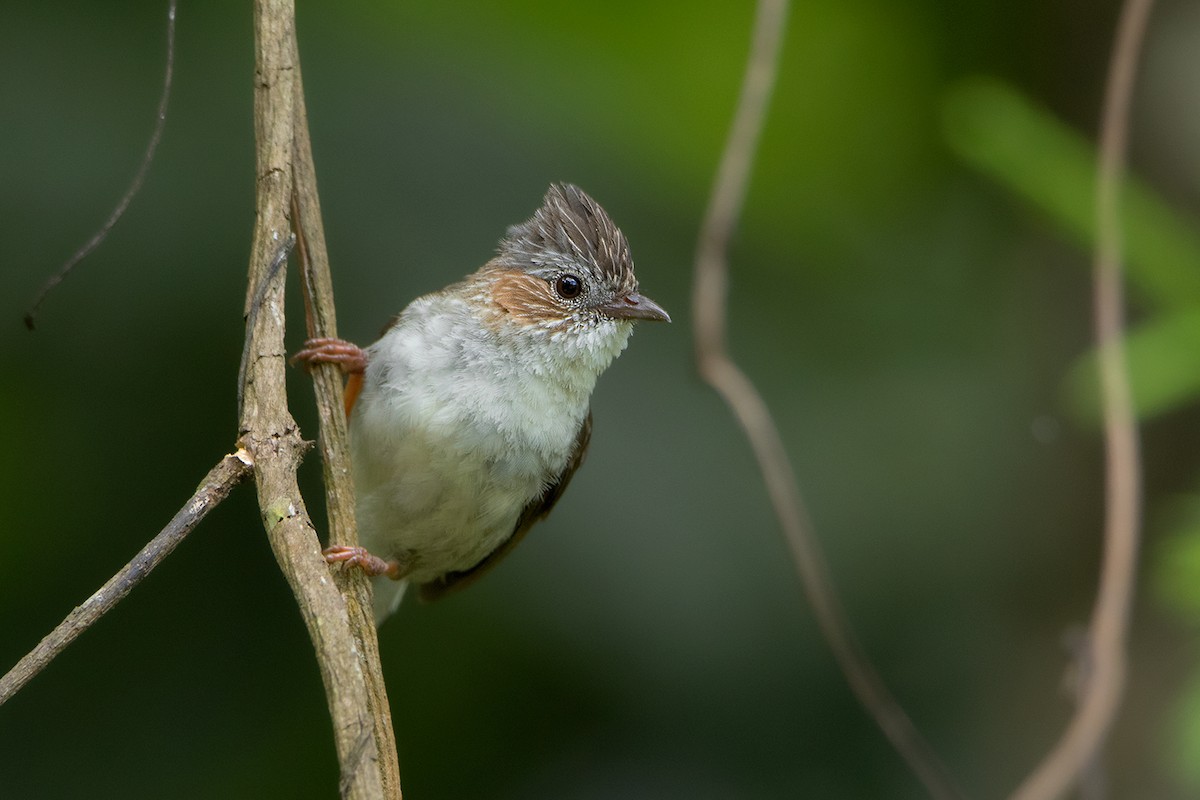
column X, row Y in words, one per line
column 572, row 228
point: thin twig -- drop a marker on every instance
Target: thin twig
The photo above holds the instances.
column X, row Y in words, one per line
column 1105, row 648
column 215, row 487
column 333, row 439
column 134, row 187
column 719, row 370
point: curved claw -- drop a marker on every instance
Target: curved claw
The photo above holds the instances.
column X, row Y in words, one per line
column 361, row 558
column 350, row 357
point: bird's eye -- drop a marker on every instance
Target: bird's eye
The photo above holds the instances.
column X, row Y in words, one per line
column 568, row 286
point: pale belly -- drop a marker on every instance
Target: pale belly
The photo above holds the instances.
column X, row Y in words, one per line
column 454, row 435
column 439, row 497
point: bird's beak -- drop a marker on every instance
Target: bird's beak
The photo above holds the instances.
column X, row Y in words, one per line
column 635, row 306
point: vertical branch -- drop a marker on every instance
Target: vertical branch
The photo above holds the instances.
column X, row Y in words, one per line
column 343, row 638
column 268, row 431
column 1104, row 659
column 718, row 369
column 333, row 437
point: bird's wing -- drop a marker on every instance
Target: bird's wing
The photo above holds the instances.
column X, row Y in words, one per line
column 353, row 388
column 536, row 510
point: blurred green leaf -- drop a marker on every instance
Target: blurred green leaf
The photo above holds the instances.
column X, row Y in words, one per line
column 1177, row 585
column 1027, row 150
column 1177, row 565
column 1186, row 755
column 1024, row 148
column 1163, row 368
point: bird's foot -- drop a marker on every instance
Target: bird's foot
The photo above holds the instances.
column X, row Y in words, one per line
column 359, row 557
column 350, row 357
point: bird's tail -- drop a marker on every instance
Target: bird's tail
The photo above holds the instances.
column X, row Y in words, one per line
column 388, row 594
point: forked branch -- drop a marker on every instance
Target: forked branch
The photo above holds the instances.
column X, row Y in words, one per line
column 341, row 627
column 342, row 638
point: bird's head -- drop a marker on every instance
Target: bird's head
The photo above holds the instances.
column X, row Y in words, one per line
column 569, row 268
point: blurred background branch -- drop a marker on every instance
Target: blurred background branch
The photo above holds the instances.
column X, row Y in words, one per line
column 718, row 369
column 1104, row 663
column 135, row 186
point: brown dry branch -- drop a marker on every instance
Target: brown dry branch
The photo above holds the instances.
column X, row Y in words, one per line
column 215, row 487
column 341, row 627
column 718, row 369
column 333, row 438
column 1104, row 659
column 286, row 180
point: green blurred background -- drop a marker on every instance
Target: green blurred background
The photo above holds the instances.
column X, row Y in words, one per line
column 910, row 291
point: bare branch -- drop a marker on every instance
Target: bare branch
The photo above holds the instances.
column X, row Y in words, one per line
column 270, row 433
column 347, row 655
column 333, row 438
column 135, row 186
column 719, row 370
column 256, row 304
column 215, row 487
column 1105, row 648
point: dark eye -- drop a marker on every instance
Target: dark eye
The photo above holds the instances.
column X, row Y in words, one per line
column 568, row 286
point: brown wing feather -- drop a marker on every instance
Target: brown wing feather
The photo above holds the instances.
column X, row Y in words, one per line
column 353, row 388
column 536, row 510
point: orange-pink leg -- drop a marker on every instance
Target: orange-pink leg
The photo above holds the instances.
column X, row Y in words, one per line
column 359, row 557
column 347, row 355
column 350, row 357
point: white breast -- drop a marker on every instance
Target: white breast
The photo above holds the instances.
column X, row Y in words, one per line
column 459, row 426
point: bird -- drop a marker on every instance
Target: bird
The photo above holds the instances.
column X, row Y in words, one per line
column 471, row 413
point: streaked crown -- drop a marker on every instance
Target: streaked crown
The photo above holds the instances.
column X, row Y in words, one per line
column 571, row 231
